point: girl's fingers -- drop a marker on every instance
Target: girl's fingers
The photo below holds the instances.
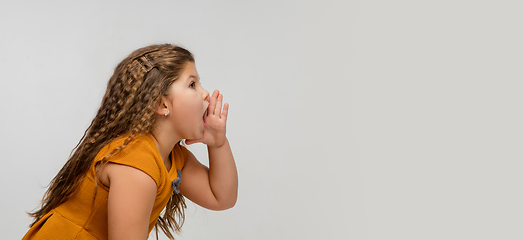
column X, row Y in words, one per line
column 224, row 112
column 218, row 108
column 212, row 103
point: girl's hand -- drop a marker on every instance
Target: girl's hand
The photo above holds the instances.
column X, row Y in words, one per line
column 215, row 122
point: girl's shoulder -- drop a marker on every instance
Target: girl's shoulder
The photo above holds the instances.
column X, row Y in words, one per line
column 140, row 153
column 118, row 148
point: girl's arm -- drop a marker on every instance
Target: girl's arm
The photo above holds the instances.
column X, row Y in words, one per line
column 130, row 202
column 215, row 187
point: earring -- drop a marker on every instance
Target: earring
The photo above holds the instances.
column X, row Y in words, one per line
column 166, row 113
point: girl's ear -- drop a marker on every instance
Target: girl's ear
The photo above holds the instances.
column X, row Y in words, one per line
column 163, row 107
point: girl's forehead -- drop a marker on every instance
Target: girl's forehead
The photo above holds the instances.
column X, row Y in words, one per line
column 190, row 71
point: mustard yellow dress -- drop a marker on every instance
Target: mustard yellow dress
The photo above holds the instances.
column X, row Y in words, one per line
column 84, row 214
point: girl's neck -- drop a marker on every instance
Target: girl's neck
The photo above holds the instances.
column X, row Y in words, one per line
column 165, row 142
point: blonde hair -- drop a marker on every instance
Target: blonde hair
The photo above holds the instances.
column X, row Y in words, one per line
column 128, row 107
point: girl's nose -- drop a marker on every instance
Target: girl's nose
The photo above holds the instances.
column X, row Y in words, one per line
column 205, row 95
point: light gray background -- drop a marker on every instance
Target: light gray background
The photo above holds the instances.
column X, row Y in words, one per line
column 349, row 119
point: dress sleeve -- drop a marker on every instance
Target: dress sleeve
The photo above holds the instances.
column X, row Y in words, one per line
column 139, row 154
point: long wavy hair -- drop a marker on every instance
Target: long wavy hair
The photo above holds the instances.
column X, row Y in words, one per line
column 128, row 107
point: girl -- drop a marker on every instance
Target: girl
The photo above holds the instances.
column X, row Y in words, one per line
column 130, row 165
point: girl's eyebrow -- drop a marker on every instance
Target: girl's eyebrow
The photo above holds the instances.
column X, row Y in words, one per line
column 194, row 77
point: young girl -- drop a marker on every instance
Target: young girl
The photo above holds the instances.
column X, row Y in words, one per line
column 130, row 165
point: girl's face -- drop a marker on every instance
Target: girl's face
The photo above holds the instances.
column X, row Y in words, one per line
column 189, row 102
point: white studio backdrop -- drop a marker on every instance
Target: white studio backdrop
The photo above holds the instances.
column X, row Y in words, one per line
column 349, row 119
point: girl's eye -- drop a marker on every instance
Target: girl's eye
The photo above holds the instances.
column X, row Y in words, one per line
column 192, row 85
